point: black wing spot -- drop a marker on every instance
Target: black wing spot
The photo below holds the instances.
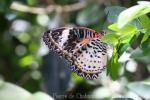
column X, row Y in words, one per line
column 84, row 48
column 79, row 51
column 86, row 52
column 89, row 45
column 94, row 51
column 98, row 57
column 91, row 56
column 103, row 53
column 89, row 66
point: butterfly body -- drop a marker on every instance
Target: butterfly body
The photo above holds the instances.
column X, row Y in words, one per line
column 81, row 47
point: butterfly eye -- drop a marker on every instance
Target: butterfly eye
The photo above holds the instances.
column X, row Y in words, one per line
column 103, row 32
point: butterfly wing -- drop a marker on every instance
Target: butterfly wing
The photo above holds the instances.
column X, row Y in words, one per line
column 62, row 40
column 87, row 58
column 90, row 60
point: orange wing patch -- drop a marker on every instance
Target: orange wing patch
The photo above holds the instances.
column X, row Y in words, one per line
column 85, row 41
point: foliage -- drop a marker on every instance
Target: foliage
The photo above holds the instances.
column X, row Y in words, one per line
column 124, row 30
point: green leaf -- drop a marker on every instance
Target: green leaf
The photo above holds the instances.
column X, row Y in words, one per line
column 131, row 13
column 32, row 2
column 89, row 15
column 146, row 36
column 27, row 60
column 40, row 96
column 145, row 21
column 125, row 34
column 10, row 91
column 124, row 30
column 113, row 27
column 113, row 65
column 76, row 77
column 126, row 38
column 122, row 48
column 111, row 38
column 113, row 12
column 141, row 88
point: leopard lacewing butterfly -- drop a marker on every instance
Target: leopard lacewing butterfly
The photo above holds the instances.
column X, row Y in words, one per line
column 81, row 47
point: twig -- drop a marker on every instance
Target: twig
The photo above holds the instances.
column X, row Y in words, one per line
column 39, row 10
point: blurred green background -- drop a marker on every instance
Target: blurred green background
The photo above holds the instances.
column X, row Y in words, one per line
column 26, row 61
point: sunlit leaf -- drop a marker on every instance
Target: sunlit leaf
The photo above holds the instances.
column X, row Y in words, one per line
column 27, row 60
column 146, row 36
column 125, row 34
column 131, row 13
column 110, row 38
column 76, row 77
column 126, row 38
column 145, row 21
column 125, row 30
column 113, row 27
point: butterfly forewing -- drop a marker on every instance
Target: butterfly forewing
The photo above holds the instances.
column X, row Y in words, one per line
column 88, row 59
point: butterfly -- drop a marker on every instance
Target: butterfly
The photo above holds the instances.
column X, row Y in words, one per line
column 81, row 47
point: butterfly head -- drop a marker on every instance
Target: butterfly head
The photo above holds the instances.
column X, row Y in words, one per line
column 99, row 34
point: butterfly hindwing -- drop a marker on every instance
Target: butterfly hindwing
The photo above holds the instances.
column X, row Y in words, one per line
column 91, row 59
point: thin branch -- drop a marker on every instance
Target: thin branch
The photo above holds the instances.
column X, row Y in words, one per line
column 39, row 10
